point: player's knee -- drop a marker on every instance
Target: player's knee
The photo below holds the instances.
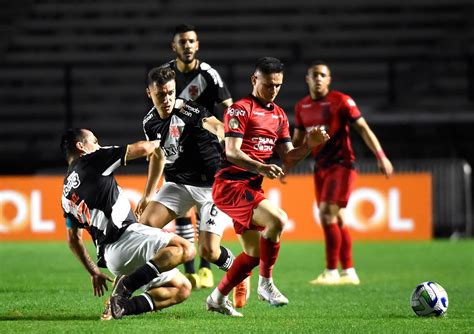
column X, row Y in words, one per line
column 280, row 220
column 209, row 253
column 189, row 251
column 184, row 291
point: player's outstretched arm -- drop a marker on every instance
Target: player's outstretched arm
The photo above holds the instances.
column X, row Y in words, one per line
column 373, row 144
column 141, row 149
column 156, row 166
column 99, row 279
column 214, row 126
column 307, row 141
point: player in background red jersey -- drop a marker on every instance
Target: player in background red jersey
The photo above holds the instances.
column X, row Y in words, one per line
column 334, row 172
column 255, row 127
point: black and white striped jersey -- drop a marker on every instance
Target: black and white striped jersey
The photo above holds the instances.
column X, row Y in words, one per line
column 91, row 198
column 192, row 153
column 202, row 85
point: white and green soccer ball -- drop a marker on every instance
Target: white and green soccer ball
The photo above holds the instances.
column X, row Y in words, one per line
column 429, row 299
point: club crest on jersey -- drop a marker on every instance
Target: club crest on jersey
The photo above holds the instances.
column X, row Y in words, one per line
column 174, row 131
column 193, row 91
column 233, row 123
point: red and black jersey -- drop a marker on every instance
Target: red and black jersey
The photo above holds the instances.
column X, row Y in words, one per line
column 336, row 111
column 261, row 129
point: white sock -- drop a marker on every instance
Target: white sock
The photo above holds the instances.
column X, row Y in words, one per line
column 217, row 296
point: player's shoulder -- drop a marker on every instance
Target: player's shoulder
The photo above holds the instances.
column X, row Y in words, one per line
column 304, row 101
column 149, row 115
column 211, row 72
column 342, row 97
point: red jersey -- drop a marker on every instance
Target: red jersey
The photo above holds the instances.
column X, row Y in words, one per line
column 336, row 111
column 261, row 129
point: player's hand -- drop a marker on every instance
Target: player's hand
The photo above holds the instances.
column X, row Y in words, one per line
column 316, row 136
column 99, row 283
column 141, row 206
column 385, row 167
column 271, row 171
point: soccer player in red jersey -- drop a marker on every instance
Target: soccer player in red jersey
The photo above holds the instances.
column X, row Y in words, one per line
column 255, row 127
column 334, row 172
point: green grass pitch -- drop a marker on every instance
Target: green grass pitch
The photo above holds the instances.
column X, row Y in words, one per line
column 43, row 289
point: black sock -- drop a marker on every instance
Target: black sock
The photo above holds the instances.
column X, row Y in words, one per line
column 141, row 276
column 205, row 263
column 185, row 229
column 139, row 304
column 225, row 260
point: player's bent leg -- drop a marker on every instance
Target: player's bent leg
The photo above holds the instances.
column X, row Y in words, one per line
column 175, row 253
column 157, row 215
column 273, row 219
column 171, row 293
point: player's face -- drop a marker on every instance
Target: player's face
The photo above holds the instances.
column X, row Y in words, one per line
column 163, row 96
column 266, row 86
column 318, row 80
column 89, row 142
column 185, row 45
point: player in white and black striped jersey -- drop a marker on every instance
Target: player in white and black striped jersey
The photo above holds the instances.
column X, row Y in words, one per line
column 199, row 82
column 92, row 200
column 189, row 159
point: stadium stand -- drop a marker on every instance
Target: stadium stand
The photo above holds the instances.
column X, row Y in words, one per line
column 83, row 63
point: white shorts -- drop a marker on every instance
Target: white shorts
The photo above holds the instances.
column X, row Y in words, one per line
column 180, row 198
column 137, row 245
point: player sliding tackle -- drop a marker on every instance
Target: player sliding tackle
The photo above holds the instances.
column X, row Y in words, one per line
column 255, row 127
column 93, row 201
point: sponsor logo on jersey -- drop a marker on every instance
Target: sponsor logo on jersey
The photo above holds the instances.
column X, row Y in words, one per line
column 258, row 113
column 233, row 123
column 235, row 112
column 189, row 108
column 73, row 181
column 351, row 102
column 263, row 144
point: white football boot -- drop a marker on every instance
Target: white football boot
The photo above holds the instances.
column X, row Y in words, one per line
column 269, row 292
column 328, row 277
column 224, row 308
column 349, row 276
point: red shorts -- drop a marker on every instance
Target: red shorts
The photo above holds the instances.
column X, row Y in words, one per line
column 237, row 200
column 334, row 184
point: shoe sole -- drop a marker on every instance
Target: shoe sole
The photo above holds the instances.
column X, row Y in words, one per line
column 211, row 308
column 260, row 297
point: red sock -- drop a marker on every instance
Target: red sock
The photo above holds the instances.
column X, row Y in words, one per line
column 346, row 248
column 240, row 270
column 268, row 256
column 332, row 235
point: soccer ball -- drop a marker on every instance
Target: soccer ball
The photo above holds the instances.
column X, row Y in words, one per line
column 429, row 299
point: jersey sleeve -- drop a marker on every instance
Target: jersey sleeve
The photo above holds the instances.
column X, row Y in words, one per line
column 298, row 120
column 107, row 159
column 235, row 120
column 284, row 130
column 221, row 93
column 193, row 113
column 350, row 107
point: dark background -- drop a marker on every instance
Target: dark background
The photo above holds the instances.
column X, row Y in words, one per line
column 409, row 65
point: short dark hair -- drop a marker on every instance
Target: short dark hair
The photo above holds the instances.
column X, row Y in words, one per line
column 160, row 75
column 69, row 139
column 182, row 28
column 318, row 62
column 269, row 65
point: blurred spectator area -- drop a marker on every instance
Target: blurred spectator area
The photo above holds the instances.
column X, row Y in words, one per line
column 408, row 64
